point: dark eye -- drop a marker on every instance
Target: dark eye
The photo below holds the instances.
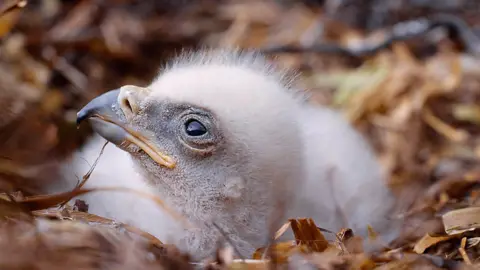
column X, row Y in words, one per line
column 195, row 128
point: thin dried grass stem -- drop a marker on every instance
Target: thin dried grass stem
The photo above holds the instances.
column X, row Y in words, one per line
column 89, row 173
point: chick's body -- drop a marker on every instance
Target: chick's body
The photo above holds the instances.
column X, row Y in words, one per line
column 273, row 157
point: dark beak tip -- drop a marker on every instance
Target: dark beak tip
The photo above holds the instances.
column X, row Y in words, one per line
column 81, row 116
column 101, row 103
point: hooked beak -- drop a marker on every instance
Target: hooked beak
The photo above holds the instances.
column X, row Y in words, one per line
column 107, row 119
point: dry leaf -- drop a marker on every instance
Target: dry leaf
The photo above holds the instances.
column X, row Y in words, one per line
column 461, row 220
column 249, row 265
column 282, row 230
column 331, row 262
column 307, row 233
column 51, row 245
column 94, row 220
column 281, row 251
column 429, row 241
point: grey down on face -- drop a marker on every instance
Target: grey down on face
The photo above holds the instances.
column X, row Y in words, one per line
column 222, row 137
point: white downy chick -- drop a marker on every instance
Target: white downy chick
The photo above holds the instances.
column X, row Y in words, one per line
column 222, row 137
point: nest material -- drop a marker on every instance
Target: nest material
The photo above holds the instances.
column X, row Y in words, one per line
column 52, row 245
column 415, row 100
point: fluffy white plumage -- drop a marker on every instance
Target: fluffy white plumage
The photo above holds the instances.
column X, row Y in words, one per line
column 273, row 146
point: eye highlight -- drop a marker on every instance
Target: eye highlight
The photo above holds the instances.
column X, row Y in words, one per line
column 195, row 128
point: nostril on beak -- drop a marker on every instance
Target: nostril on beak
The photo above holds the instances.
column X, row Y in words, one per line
column 127, row 105
column 129, row 99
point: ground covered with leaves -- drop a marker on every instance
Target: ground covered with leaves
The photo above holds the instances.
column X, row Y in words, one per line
column 407, row 75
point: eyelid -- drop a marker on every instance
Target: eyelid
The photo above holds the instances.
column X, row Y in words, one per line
column 194, row 112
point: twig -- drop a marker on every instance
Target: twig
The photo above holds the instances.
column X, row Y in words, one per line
column 89, row 173
column 338, row 209
column 60, row 64
column 40, row 202
column 462, row 252
column 399, row 32
column 18, row 4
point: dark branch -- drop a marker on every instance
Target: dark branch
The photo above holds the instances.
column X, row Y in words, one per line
column 456, row 27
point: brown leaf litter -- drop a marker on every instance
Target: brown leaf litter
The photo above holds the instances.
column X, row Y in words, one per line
column 74, row 245
column 416, row 100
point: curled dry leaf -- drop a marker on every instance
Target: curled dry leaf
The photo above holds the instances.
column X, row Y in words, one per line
column 429, row 241
column 307, row 233
column 461, row 220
